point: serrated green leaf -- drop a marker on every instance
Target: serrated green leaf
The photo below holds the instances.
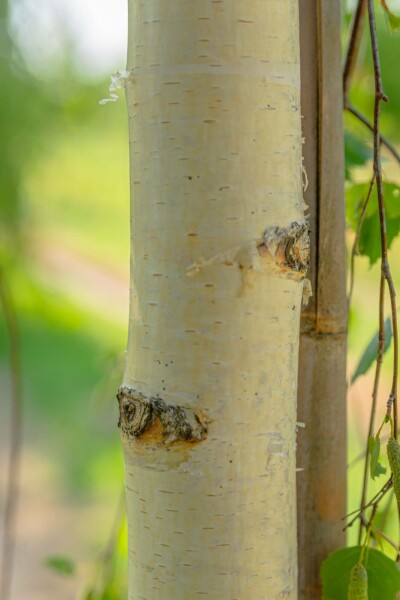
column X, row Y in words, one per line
column 61, row 564
column 371, row 351
column 369, row 243
column 383, row 574
column 374, row 448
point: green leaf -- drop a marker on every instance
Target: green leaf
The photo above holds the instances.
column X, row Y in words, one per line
column 393, row 18
column 357, row 152
column 61, row 564
column 394, row 21
column 383, row 574
column 380, row 470
column 369, row 243
column 374, row 448
column 371, row 351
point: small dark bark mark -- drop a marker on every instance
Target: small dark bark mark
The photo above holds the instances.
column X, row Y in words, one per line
column 152, row 420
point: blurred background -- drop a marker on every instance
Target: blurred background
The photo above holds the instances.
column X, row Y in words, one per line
column 64, row 250
column 64, row 256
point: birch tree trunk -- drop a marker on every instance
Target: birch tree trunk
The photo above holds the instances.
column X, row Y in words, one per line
column 219, row 255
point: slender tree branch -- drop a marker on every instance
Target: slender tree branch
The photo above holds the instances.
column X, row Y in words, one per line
column 379, row 361
column 353, row 47
column 381, row 97
column 10, row 510
column 359, row 512
column 363, row 119
column 386, row 537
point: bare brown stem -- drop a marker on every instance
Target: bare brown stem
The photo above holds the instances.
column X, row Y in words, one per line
column 385, row 267
column 10, row 510
column 379, row 361
column 353, row 47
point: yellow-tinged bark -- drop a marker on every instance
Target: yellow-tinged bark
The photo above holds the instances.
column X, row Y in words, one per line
column 218, row 260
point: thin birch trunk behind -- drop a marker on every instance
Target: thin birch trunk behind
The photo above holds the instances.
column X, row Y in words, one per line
column 219, row 253
column 322, row 445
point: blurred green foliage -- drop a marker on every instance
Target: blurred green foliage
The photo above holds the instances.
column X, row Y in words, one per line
column 64, row 184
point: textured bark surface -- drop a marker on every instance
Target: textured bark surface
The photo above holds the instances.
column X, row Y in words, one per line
column 219, row 252
column 322, row 446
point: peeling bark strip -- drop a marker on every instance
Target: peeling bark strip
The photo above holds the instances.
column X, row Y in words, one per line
column 152, row 420
column 289, row 247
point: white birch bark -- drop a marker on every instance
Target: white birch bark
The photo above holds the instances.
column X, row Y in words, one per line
column 219, row 251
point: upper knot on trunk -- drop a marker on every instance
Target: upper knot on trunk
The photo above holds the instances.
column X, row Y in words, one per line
column 288, row 247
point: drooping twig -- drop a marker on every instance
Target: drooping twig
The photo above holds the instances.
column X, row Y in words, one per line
column 386, row 276
column 348, row 69
column 353, row 47
column 379, row 361
column 10, row 510
column 385, row 267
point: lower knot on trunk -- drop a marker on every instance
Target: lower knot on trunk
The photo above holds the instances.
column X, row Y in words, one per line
column 151, row 420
